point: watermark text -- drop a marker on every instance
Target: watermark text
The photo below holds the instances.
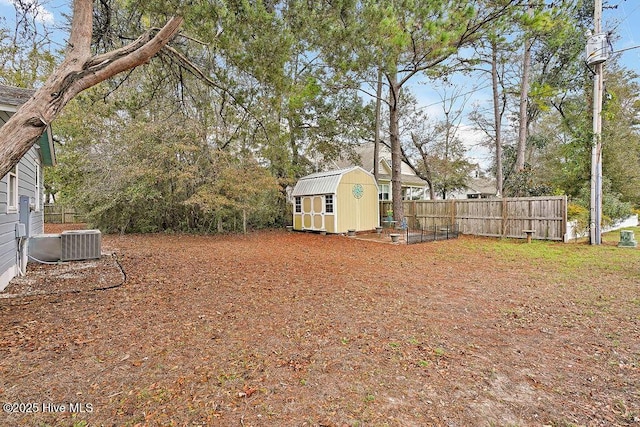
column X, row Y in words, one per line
column 47, row 407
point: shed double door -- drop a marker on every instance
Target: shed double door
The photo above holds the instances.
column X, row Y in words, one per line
column 313, row 213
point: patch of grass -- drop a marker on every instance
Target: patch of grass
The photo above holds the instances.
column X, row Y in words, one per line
column 223, row 378
column 567, row 257
column 136, row 420
column 155, row 394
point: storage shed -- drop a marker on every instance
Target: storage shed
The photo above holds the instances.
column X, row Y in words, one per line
column 336, row 201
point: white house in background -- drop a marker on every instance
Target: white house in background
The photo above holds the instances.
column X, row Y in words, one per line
column 21, row 193
column 478, row 187
column 413, row 187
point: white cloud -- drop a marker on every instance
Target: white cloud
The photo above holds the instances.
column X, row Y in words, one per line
column 36, row 10
column 477, row 152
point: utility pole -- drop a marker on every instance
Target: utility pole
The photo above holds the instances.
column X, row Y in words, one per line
column 376, row 138
column 597, row 54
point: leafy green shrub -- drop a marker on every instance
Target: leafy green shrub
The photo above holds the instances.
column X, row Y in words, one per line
column 162, row 176
column 576, row 211
column 579, row 214
column 613, row 208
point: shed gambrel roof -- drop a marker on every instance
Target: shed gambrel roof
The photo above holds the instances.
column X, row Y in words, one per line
column 321, row 182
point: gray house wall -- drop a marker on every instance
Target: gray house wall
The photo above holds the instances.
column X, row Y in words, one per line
column 8, row 220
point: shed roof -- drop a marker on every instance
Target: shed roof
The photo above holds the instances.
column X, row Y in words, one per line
column 321, row 182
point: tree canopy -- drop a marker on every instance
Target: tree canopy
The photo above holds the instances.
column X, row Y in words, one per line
column 182, row 105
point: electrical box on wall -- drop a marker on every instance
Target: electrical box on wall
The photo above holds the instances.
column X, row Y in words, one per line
column 597, row 49
column 24, row 214
column 21, row 231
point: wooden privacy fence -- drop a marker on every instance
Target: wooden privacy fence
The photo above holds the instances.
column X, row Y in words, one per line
column 56, row 214
column 506, row 217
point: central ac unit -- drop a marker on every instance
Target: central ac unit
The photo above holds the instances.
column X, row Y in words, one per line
column 68, row 246
column 80, row 244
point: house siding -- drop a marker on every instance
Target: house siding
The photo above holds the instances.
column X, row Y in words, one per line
column 8, row 242
column 29, row 168
column 8, row 221
column 27, row 187
column 4, row 116
column 7, row 230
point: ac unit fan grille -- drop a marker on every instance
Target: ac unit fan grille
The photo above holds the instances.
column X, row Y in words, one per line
column 80, row 244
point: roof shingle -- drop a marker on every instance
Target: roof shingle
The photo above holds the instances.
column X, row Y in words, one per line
column 14, row 96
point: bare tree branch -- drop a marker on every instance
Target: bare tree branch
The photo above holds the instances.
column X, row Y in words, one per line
column 77, row 72
column 195, row 70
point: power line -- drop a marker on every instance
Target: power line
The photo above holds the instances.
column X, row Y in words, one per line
column 630, row 13
column 626, row 17
column 625, row 49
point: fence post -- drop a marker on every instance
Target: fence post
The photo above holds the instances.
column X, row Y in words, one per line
column 453, row 212
column 565, row 221
column 505, row 217
column 435, row 229
column 414, row 213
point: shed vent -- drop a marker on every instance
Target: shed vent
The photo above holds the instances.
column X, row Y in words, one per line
column 80, row 244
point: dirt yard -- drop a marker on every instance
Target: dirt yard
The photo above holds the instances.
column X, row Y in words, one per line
column 294, row 329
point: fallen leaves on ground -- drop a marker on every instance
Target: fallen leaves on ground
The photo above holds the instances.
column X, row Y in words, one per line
column 278, row 328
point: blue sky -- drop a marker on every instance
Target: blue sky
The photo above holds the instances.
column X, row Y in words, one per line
column 624, row 21
column 46, row 12
column 619, row 16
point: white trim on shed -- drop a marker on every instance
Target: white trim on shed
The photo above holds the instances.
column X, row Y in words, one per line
column 320, row 182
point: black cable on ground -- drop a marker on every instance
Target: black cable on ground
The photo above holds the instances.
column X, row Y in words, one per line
column 73, row 291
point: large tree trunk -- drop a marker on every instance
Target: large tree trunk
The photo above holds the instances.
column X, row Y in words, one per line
column 396, row 151
column 524, row 96
column 78, row 71
column 497, row 116
column 376, row 141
